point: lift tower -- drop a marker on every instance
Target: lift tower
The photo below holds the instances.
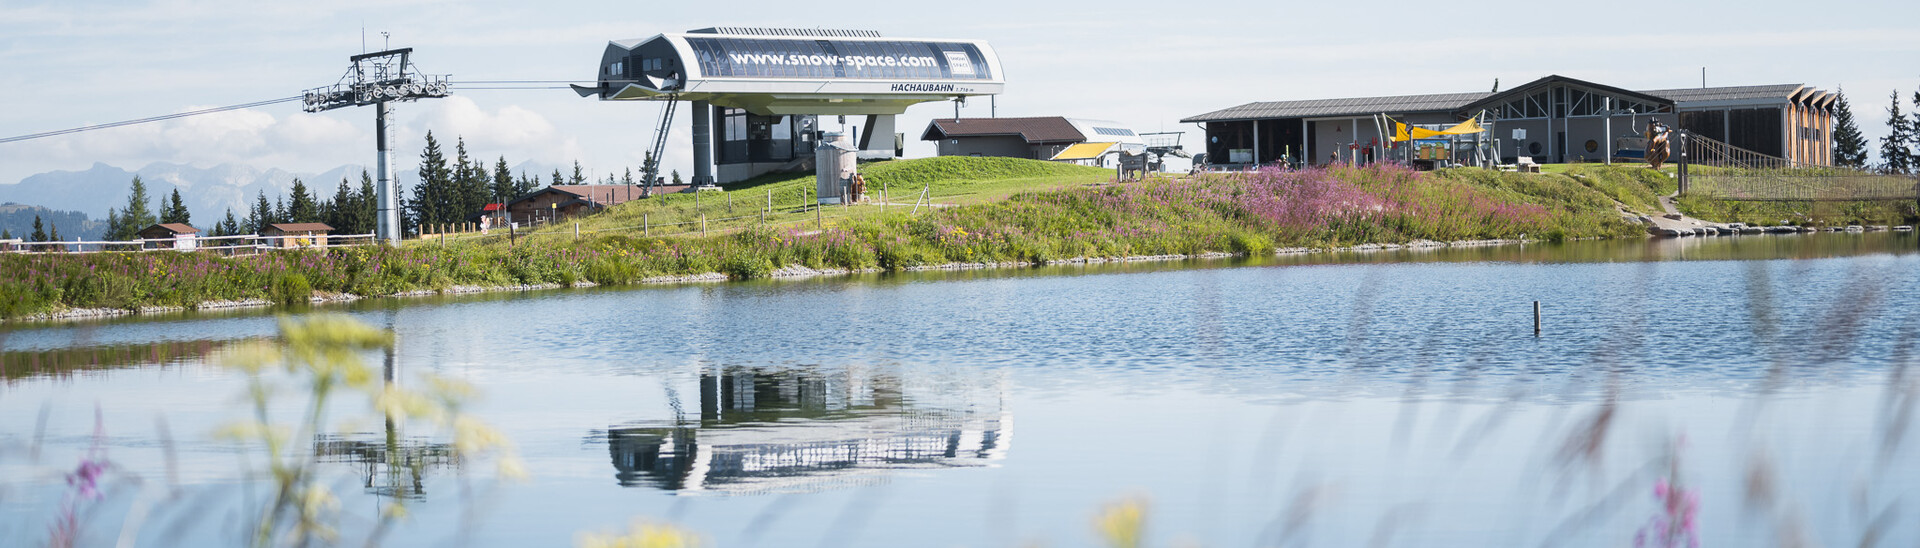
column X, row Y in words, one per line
column 377, row 79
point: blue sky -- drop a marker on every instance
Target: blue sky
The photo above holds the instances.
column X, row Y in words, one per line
column 78, row 62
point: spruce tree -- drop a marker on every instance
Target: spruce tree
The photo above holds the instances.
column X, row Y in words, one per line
column 280, row 210
column 503, row 187
column 261, row 216
column 676, row 178
column 229, row 227
column 39, row 232
column 431, row 198
column 136, row 215
column 301, row 207
column 523, row 186
column 176, row 211
column 1849, row 146
column 1896, row 153
column 114, row 227
column 340, row 210
column 367, row 206
column 557, row 179
column 579, row 175
column 6, row 234
column 53, row 232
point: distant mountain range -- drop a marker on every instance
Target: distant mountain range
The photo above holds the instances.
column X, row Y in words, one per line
column 207, row 192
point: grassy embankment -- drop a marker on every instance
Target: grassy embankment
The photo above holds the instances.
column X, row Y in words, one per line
column 994, row 211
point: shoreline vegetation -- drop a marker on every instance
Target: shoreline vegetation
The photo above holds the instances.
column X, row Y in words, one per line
column 992, row 213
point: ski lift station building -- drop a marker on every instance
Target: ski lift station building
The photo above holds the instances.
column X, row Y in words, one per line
column 757, row 93
column 1560, row 119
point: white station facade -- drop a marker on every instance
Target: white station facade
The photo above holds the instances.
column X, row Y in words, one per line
column 757, row 92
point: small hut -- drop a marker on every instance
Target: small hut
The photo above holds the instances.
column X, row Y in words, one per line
column 178, row 236
column 290, row 235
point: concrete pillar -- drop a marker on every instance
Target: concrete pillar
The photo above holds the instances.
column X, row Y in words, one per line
column 876, row 140
column 702, row 143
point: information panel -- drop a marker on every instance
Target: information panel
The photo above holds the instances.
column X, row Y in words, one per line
column 831, row 59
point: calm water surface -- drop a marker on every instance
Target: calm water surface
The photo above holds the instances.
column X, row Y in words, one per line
column 1364, row 399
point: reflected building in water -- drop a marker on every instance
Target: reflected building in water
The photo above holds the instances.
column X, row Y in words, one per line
column 785, row 431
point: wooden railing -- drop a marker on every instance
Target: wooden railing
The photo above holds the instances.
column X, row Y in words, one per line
column 238, row 245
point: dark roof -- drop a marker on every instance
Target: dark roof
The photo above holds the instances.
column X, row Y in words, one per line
column 176, row 228
column 1529, row 87
column 1729, row 93
column 301, row 227
column 604, row 195
column 1045, row 129
column 1398, row 104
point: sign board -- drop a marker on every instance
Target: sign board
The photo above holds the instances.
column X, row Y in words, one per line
column 1240, row 156
column 1519, row 134
column 754, row 57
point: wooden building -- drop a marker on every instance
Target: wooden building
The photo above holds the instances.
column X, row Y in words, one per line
column 561, row 201
column 1563, row 120
column 290, row 235
column 170, row 236
column 1038, row 138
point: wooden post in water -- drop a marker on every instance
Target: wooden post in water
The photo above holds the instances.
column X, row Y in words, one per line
column 1536, row 318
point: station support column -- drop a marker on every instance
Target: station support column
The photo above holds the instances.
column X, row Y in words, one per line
column 387, row 226
column 702, row 143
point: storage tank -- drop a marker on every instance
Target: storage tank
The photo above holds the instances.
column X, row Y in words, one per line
column 835, row 162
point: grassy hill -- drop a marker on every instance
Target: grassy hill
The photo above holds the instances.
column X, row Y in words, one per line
column 993, row 210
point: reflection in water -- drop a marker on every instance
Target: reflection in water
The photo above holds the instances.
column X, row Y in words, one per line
column 392, row 464
column 64, row 362
column 795, row 431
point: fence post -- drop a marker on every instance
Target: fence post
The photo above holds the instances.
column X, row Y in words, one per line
column 703, row 224
column 576, row 230
column 817, row 223
column 645, row 224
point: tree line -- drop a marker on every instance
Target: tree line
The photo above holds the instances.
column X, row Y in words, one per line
column 448, row 191
column 1897, row 150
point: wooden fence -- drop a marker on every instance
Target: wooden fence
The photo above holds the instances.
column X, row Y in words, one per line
column 232, row 246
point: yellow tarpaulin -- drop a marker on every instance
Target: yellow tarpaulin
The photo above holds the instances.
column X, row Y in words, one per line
column 1402, row 133
column 1083, row 151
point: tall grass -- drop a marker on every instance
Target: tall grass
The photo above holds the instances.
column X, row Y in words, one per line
column 1238, row 214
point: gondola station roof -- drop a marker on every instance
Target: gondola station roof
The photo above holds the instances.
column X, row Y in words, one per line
column 797, row 71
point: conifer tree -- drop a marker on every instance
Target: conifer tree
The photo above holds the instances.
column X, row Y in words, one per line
column 368, row 206
column 431, row 200
column 579, row 175
column 175, row 211
column 523, row 186
column 53, row 232
column 229, row 227
column 557, row 179
column 39, row 232
column 503, row 187
column 676, row 178
column 114, row 224
column 136, row 215
column 1896, row 152
column 6, row 234
column 1849, row 146
column 301, row 208
column 261, row 216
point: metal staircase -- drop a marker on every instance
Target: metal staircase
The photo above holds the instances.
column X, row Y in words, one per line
column 651, row 171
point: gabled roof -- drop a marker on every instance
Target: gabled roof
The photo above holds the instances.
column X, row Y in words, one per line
column 176, row 228
column 1530, row 87
column 1398, row 104
column 301, row 227
column 1046, row 129
column 1782, row 92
